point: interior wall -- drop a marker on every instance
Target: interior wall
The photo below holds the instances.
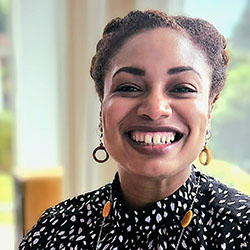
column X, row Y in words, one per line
column 85, row 23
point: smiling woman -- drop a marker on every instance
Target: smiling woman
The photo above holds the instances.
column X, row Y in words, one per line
column 157, row 78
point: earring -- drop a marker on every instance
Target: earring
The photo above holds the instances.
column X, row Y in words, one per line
column 101, row 147
column 205, row 154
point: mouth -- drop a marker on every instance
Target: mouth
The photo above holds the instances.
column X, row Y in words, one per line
column 153, row 140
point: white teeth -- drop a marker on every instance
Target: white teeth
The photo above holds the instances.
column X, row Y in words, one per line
column 148, row 139
column 141, row 138
column 172, row 138
column 168, row 139
column 163, row 139
column 137, row 137
column 157, row 139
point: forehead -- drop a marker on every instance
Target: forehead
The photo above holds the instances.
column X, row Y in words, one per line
column 160, row 45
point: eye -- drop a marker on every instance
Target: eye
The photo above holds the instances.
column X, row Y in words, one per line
column 183, row 89
column 128, row 88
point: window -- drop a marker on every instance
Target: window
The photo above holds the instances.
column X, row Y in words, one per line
column 6, row 132
column 230, row 144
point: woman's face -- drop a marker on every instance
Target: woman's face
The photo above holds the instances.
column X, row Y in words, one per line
column 156, row 104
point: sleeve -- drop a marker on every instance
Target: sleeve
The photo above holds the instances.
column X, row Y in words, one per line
column 38, row 235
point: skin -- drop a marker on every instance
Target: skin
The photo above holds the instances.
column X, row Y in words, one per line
column 159, row 80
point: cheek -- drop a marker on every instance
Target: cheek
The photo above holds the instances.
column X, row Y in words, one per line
column 114, row 113
column 111, row 116
column 200, row 117
column 196, row 115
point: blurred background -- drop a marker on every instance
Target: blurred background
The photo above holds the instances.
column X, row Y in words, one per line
column 49, row 110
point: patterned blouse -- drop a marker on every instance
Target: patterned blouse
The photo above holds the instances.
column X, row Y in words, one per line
column 221, row 220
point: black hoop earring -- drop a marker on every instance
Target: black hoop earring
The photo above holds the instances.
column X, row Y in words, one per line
column 100, row 147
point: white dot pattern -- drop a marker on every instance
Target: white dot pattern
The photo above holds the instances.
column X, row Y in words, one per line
column 221, row 220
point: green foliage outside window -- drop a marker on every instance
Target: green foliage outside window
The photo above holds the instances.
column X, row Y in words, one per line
column 231, row 117
column 6, row 124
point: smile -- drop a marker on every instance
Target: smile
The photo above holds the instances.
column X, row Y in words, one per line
column 154, row 138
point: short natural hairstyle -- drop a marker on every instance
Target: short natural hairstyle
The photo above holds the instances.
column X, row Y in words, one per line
column 203, row 34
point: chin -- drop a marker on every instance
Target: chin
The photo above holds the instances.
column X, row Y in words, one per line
column 154, row 168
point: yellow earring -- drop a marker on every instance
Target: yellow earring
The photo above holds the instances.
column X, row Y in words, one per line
column 205, row 156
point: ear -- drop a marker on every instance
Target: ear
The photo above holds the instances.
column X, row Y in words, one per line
column 210, row 110
column 212, row 102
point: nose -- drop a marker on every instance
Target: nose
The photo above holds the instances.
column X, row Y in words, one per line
column 155, row 105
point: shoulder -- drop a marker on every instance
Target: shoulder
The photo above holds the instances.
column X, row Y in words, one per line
column 78, row 204
column 227, row 210
column 223, row 215
column 221, row 197
column 78, row 214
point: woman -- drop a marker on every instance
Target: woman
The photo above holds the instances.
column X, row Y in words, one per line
column 157, row 78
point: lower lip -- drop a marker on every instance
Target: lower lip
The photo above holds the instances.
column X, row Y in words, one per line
column 151, row 149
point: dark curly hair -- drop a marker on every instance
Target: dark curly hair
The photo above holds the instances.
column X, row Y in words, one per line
column 203, row 34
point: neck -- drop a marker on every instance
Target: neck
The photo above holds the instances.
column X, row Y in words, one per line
column 141, row 191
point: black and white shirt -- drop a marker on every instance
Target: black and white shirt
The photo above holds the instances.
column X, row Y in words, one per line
column 221, row 220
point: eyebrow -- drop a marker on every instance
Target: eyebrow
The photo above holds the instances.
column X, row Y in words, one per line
column 140, row 72
column 130, row 70
column 181, row 69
